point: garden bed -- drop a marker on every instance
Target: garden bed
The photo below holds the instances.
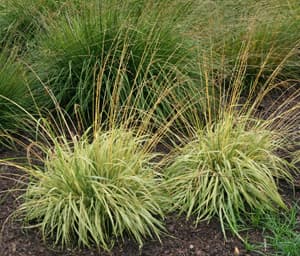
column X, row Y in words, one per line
column 183, row 238
column 126, row 125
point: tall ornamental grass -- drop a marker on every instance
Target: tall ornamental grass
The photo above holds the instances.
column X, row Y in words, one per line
column 110, row 55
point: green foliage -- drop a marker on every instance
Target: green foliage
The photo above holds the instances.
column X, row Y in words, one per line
column 228, row 170
column 284, row 238
column 261, row 35
column 281, row 231
column 269, row 47
column 111, row 55
column 93, row 193
column 21, row 20
column 14, row 93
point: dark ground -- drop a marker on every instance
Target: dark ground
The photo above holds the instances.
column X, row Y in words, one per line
column 183, row 239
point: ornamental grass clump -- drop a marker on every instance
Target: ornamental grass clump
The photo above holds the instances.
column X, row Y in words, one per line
column 229, row 169
column 110, row 55
column 94, row 193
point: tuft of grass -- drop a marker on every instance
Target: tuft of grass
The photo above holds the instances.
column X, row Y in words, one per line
column 281, row 231
column 92, row 193
column 107, row 54
column 284, row 238
column 228, row 169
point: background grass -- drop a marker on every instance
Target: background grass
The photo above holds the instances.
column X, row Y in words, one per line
column 14, row 93
column 266, row 29
column 21, row 21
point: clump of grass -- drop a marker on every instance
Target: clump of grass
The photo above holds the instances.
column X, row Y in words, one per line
column 110, row 55
column 94, row 193
column 229, row 169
